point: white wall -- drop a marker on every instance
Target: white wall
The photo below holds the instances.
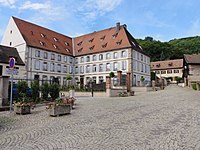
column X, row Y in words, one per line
column 13, row 35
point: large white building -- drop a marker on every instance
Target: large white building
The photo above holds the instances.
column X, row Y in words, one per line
column 48, row 54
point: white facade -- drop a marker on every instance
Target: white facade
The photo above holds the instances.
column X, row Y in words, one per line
column 141, row 67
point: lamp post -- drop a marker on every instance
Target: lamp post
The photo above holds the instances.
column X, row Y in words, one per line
column 91, row 86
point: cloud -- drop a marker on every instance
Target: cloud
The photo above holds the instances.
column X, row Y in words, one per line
column 35, row 6
column 91, row 9
column 8, row 3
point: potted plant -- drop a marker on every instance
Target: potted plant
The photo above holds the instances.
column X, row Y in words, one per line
column 58, row 107
column 142, row 81
column 23, row 106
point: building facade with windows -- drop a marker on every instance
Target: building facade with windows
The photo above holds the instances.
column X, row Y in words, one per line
column 169, row 69
column 49, row 55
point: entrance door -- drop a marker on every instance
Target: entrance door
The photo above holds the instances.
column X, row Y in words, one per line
column 134, row 80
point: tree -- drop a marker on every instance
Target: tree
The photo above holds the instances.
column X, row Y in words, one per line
column 111, row 74
column 54, row 90
column 35, row 87
column 45, row 91
column 22, row 87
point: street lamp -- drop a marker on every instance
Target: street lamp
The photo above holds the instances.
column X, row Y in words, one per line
column 91, row 86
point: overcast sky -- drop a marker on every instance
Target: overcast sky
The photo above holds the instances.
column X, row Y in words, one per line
column 160, row 19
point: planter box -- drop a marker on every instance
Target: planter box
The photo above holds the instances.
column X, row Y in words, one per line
column 22, row 110
column 59, row 110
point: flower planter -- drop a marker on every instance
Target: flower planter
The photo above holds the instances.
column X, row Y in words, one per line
column 22, row 110
column 59, row 110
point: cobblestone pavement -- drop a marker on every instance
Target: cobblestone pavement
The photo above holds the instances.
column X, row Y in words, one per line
column 161, row 120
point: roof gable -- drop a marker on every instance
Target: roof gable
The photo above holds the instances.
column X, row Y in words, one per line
column 192, row 59
column 43, row 38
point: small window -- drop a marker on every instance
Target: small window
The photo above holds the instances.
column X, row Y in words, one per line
column 80, row 50
column 115, row 54
column 91, row 48
column 88, row 59
column 37, row 53
column 76, row 60
column 115, row 66
column 163, row 72
column 43, row 35
column 59, row 57
column 176, row 71
column 45, row 55
column 100, row 67
column 170, row 64
column 94, row 68
column 104, row 45
column 82, row 59
column 65, row 58
column 45, row 66
column 108, row 56
column 124, row 54
column 101, row 57
column 52, row 56
column 158, row 65
column 141, row 57
column 94, row 57
column 42, row 43
column 119, row 42
column 10, row 31
column 87, row 68
column 91, row 40
column 169, row 71
column 37, row 64
column 102, row 38
column 65, row 69
column 59, row 68
column 10, row 43
column 79, row 44
column 108, row 67
column 55, row 39
column 52, row 67
column 114, row 35
column 66, row 43
column 55, row 46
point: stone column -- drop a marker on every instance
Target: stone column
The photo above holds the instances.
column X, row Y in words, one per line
column 128, row 81
column 4, row 83
column 119, row 77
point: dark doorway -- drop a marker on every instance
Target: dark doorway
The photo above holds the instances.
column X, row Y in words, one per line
column 1, row 70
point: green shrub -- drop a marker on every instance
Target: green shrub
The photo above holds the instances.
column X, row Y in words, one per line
column 111, row 74
column 194, row 86
column 22, row 87
column 35, row 87
column 45, row 90
column 54, row 90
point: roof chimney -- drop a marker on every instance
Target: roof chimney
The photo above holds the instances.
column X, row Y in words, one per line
column 117, row 26
column 125, row 26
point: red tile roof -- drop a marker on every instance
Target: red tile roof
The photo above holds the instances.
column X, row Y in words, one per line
column 168, row 64
column 104, row 40
column 192, row 59
column 43, row 38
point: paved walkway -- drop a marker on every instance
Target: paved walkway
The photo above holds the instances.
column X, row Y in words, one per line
column 160, row 120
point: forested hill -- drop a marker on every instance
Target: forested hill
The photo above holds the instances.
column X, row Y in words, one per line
column 174, row 49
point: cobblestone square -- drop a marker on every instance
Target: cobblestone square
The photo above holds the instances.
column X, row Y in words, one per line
column 160, row 120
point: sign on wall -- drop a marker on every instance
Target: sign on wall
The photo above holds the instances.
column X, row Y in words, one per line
column 9, row 71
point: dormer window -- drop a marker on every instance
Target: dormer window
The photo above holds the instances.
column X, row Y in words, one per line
column 31, row 32
column 102, row 38
column 66, row 43
column 119, row 42
column 91, row 40
column 170, row 64
column 55, row 46
column 80, row 50
column 79, row 44
column 42, row 43
column 158, row 65
column 43, row 35
column 55, row 39
column 91, row 48
column 67, row 49
column 103, row 46
column 115, row 35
